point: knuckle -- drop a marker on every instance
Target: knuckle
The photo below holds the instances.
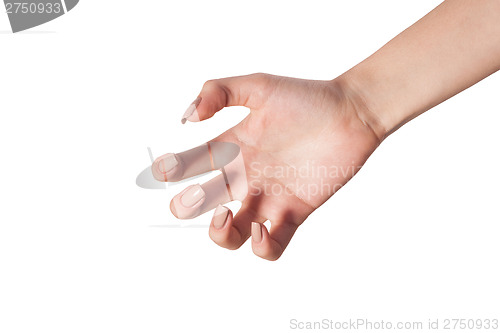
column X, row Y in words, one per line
column 210, row 84
column 223, row 240
column 267, row 252
column 260, row 78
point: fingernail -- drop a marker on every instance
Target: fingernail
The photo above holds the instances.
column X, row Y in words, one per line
column 167, row 163
column 191, row 113
column 192, row 196
column 256, row 232
column 173, row 209
column 220, row 217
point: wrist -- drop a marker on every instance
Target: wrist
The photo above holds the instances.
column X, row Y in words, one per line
column 357, row 94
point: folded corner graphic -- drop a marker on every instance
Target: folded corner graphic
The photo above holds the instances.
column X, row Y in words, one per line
column 24, row 14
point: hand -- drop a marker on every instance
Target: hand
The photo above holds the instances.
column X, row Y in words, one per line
column 303, row 140
column 300, row 143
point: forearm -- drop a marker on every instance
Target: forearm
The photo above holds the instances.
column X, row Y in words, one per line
column 447, row 51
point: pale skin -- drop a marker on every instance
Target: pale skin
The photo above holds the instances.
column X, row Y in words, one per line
column 340, row 123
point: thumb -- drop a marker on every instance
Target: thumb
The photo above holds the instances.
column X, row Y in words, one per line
column 248, row 90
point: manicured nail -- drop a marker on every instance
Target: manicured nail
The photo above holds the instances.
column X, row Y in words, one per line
column 256, row 232
column 191, row 113
column 167, row 163
column 173, row 210
column 220, row 217
column 192, row 196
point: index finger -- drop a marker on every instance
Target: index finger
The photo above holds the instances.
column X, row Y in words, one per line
column 212, row 155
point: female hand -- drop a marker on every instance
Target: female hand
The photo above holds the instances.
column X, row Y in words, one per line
column 300, row 143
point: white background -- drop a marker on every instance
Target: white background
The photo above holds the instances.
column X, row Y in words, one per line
column 415, row 235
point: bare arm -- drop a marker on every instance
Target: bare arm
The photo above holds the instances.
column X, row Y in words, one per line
column 451, row 48
column 333, row 125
